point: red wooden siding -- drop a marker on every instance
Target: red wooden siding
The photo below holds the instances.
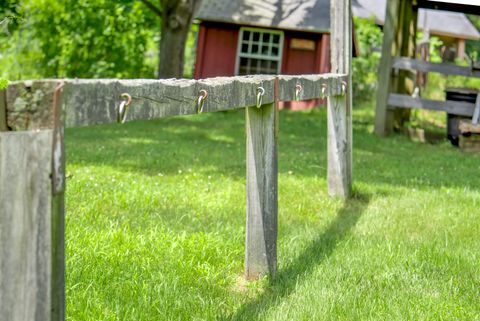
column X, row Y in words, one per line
column 301, row 61
column 216, row 50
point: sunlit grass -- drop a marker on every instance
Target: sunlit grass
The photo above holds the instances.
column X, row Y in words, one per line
column 156, row 225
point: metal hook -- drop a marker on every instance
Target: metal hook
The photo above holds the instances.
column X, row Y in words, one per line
column 324, row 89
column 344, row 87
column 123, row 107
column 260, row 93
column 203, row 94
column 298, row 90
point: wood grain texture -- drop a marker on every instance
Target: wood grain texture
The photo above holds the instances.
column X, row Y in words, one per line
column 58, row 257
column 94, row 102
column 338, row 172
column 25, row 225
column 340, row 137
column 311, row 86
column 91, row 102
column 385, row 68
column 261, row 236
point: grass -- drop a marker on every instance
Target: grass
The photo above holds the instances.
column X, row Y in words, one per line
column 156, row 223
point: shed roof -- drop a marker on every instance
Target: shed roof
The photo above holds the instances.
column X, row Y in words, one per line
column 443, row 23
column 302, row 15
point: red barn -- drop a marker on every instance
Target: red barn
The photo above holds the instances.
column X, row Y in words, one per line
column 241, row 37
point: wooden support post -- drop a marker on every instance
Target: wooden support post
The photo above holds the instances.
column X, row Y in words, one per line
column 340, row 107
column 261, row 238
column 383, row 116
column 402, row 81
column 58, row 209
column 25, row 226
column 3, row 111
column 32, row 185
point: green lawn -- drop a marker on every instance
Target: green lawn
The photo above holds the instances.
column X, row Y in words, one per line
column 156, row 222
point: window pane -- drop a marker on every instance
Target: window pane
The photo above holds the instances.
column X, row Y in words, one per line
column 255, row 44
column 266, row 38
column 276, row 39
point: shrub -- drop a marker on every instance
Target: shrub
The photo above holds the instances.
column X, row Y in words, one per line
column 365, row 65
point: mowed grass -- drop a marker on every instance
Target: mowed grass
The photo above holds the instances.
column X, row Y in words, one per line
column 156, row 224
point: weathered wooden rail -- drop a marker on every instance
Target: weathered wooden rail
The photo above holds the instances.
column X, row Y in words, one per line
column 33, row 115
column 89, row 102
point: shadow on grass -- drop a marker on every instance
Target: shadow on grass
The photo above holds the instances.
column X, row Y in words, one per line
column 313, row 255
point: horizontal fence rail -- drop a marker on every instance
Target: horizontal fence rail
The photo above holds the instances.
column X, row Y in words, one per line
column 91, row 102
column 459, row 108
column 405, row 63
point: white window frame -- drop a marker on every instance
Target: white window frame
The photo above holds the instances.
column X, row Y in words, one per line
column 256, row 56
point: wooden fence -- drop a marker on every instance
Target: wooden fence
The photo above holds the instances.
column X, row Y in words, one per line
column 33, row 115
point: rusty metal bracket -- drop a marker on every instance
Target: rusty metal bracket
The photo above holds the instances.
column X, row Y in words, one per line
column 3, row 110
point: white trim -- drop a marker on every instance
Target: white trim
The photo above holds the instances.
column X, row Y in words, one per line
column 239, row 54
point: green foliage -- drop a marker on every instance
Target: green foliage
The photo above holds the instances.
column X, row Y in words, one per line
column 473, row 46
column 365, row 66
column 156, row 225
column 3, row 83
column 435, row 45
column 79, row 38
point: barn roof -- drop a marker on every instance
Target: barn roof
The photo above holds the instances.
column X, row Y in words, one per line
column 442, row 23
column 303, row 15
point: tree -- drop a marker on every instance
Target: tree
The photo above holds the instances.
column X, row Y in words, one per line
column 176, row 19
column 76, row 38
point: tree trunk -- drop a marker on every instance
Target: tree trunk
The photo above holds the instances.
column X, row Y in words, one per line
column 176, row 21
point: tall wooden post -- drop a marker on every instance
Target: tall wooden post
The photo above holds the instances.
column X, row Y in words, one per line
column 403, row 81
column 261, row 234
column 25, row 212
column 399, row 39
column 32, row 179
column 340, row 107
column 383, row 117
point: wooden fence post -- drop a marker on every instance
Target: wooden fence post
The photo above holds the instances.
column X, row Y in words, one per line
column 32, row 181
column 384, row 117
column 339, row 125
column 261, row 150
column 25, row 212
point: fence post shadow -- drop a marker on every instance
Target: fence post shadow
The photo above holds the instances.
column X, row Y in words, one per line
column 314, row 254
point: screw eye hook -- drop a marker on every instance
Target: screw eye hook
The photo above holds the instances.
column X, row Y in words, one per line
column 123, row 107
column 344, row 88
column 202, row 96
column 298, row 90
column 324, row 90
column 260, row 93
